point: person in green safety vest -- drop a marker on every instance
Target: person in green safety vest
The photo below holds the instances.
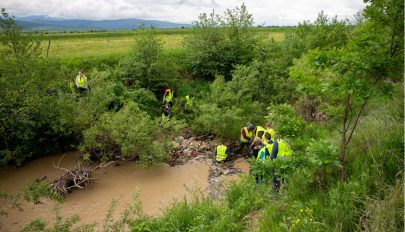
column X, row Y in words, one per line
column 168, row 97
column 266, row 138
column 262, row 154
column 279, row 149
column 81, row 83
column 188, row 105
column 260, row 132
column 269, row 129
column 221, row 153
column 246, row 136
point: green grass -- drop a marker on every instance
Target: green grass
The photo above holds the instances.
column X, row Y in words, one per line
column 87, row 48
column 96, row 45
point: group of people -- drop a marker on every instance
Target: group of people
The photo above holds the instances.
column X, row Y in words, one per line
column 260, row 143
column 169, row 99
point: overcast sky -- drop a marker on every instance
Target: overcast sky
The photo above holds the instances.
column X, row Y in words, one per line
column 267, row 12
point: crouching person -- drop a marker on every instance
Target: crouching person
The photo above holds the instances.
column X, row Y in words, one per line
column 222, row 153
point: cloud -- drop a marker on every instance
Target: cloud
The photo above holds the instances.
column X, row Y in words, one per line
column 268, row 12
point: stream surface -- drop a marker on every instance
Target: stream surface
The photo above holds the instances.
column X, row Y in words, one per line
column 157, row 188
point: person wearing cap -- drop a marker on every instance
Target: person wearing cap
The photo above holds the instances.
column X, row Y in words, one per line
column 246, row 136
column 81, row 83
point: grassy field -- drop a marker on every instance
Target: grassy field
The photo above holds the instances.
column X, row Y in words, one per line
column 97, row 45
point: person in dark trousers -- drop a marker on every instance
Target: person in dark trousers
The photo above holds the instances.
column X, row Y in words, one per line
column 246, row 137
column 222, row 153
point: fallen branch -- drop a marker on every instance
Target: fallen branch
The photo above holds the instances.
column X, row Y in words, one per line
column 76, row 178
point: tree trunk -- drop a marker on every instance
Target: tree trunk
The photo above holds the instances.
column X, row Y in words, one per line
column 343, row 143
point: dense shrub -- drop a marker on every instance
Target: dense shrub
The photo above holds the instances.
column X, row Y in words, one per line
column 200, row 214
column 226, row 110
column 219, row 42
column 129, row 132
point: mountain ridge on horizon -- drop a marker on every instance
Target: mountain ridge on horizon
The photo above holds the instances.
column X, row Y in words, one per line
column 45, row 23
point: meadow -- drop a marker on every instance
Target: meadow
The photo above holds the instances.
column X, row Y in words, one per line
column 72, row 46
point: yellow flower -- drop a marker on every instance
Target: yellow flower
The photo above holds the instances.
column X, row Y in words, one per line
column 302, row 210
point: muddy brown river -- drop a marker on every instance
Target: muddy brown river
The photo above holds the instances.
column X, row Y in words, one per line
column 158, row 187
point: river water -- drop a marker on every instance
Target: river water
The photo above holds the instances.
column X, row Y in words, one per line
column 158, row 187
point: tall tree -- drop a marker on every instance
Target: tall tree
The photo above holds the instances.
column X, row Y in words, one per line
column 219, row 42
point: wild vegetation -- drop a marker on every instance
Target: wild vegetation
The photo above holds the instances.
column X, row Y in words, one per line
column 332, row 88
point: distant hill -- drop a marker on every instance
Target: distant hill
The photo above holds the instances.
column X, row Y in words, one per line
column 42, row 23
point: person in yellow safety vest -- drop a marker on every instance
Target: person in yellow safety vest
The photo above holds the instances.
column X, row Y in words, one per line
column 168, row 97
column 246, row 136
column 279, row 149
column 263, row 153
column 283, row 149
column 266, row 138
column 269, row 129
column 189, row 102
column 260, row 132
column 81, row 83
column 221, row 153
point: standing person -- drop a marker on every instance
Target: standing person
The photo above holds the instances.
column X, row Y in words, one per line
column 168, row 97
column 81, row 83
column 262, row 154
column 246, row 136
column 279, row 149
column 188, row 105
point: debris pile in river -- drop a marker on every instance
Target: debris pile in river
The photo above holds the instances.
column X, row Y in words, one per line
column 192, row 148
column 76, row 178
column 201, row 148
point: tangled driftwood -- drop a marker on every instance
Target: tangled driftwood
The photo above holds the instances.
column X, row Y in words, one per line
column 77, row 178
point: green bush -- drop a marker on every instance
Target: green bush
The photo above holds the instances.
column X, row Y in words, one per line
column 219, row 42
column 246, row 196
column 200, row 214
column 286, row 121
column 225, row 111
column 37, row 189
column 129, row 132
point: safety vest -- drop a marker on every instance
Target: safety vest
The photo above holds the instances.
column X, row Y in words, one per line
column 272, row 132
column 168, row 97
column 284, row 149
column 189, row 101
column 260, row 129
column 221, row 153
column 81, row 81
column 248, row 133
column 261, row 155
column 267, row 142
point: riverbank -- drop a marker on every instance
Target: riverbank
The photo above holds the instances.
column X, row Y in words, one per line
column 157, row 187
